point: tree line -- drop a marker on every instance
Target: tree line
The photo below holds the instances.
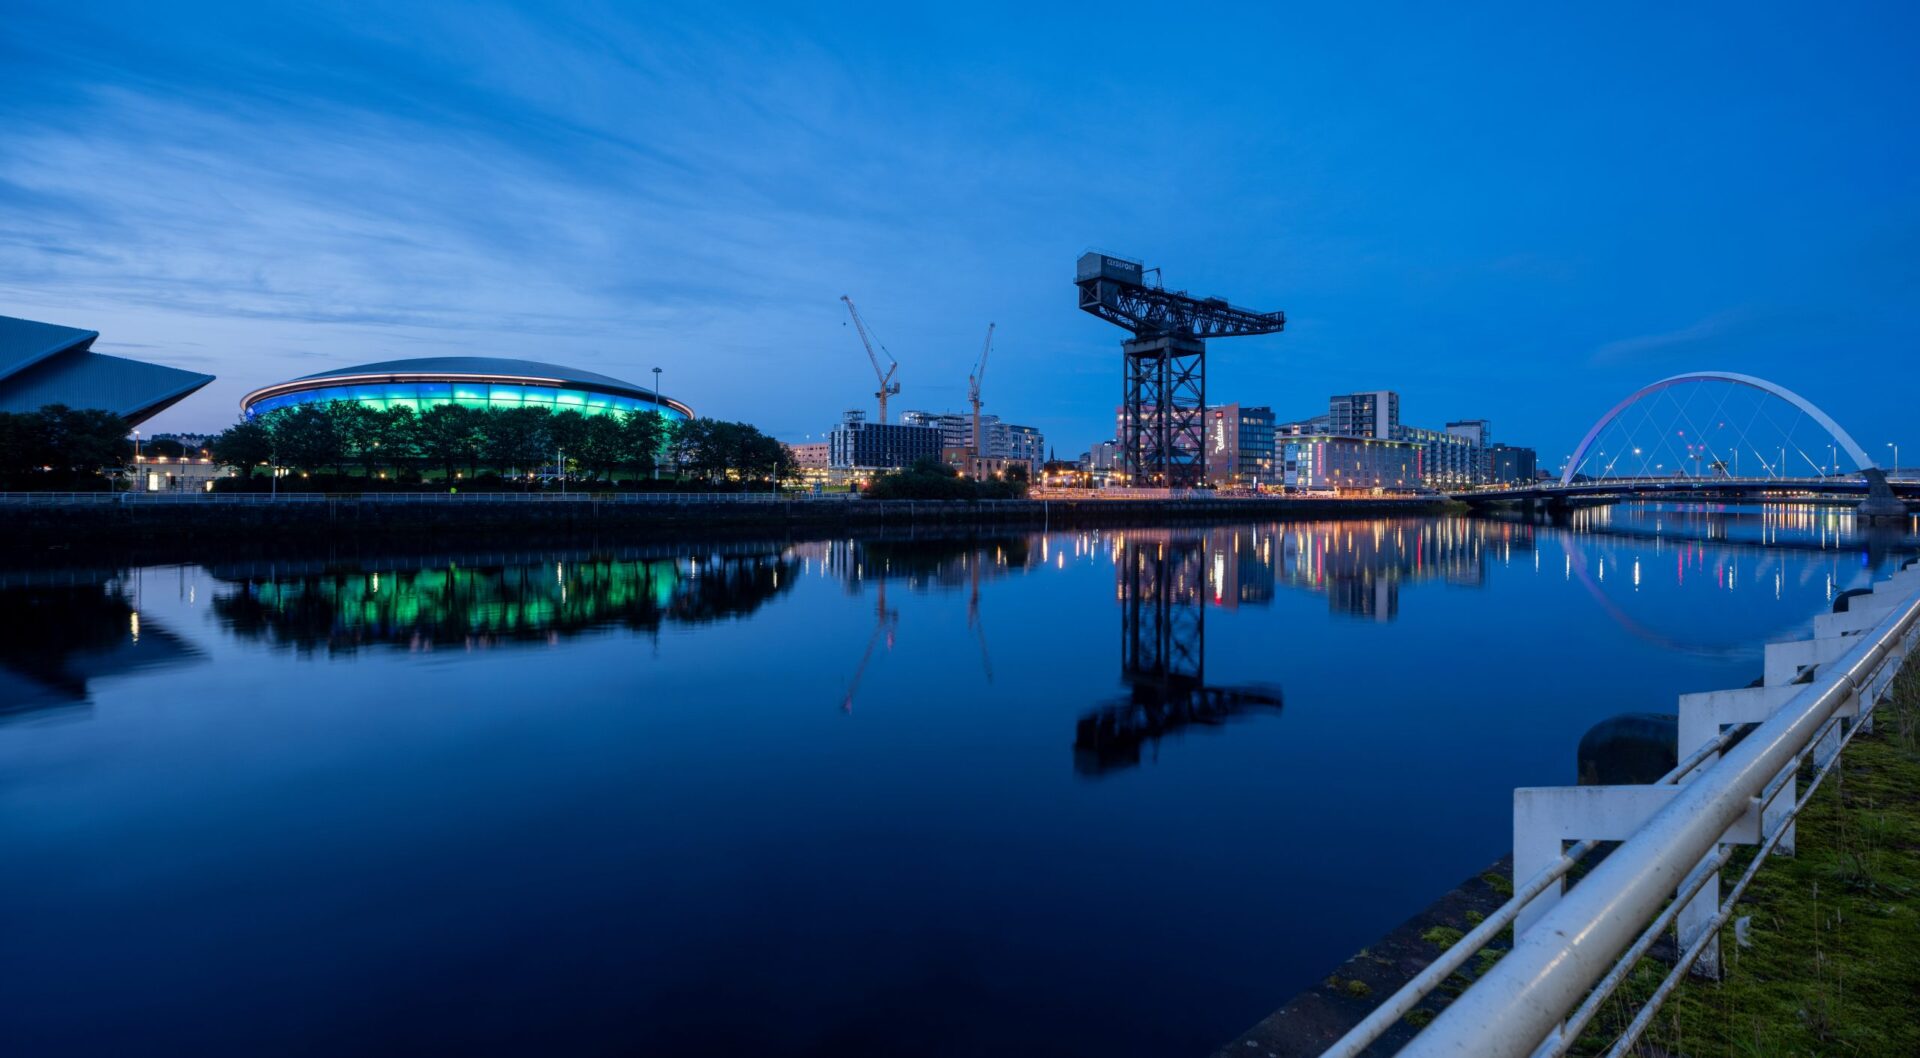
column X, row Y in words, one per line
column 347, row 438
column 59, row 447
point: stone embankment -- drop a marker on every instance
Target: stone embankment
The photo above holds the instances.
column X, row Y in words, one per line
column 81, row 522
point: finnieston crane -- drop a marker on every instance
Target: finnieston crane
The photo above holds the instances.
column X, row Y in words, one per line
column 887, row 385
column 1164, row 392
column 974, row 379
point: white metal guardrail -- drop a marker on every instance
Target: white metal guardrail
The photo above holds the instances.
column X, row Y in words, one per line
column 1732, row 786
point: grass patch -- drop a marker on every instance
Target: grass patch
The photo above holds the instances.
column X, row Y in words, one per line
column 1834, row 966
column 1442, row 937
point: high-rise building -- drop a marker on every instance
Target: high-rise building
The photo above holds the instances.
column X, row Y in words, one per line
column 954, row 427
column 999, row 442
column 1017, row 443
column 1375, row 414
column 858, row 444
column 1479, row 431
column 1239, row 445
column 1508, row 464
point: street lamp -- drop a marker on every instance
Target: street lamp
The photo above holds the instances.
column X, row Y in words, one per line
column 1896, row 458
column 663, row 420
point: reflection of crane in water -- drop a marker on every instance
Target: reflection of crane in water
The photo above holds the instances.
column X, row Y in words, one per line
column 1160, row 581
column 885, row 623
column 973, row 614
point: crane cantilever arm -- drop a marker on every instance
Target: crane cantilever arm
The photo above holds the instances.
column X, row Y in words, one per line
column 980, row 372
column 861, row 327
column 1149, row 310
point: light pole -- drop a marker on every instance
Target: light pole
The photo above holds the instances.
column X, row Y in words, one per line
column 138, row 482
column 1896, row 458
column 661, row 418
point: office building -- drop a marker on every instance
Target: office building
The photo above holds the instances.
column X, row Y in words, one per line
column 1447, row 460
column 1508, row 465
column 856, row 444
column 955, row 428
column 1328, row 462
column 1000, row 442
column 1239, row 445
column 1375, row 414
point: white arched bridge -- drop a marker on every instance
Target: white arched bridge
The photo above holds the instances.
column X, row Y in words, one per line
column 1705, row 454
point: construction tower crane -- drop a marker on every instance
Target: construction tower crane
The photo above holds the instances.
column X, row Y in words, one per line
column 974, row 379
column 1164, row 388
column 887, row 385
column 886, row 622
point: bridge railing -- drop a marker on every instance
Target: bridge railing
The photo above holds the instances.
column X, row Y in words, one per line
column 1736, row 786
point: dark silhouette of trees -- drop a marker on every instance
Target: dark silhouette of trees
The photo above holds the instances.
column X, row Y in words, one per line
column 60, row 447
column 511, row 441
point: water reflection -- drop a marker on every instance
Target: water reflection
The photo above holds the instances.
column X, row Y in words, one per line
column 433, row 605
column 1162, row 583
column 668, row 779
column 60, row 639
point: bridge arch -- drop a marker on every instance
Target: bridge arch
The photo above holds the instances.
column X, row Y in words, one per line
column 1838, row 432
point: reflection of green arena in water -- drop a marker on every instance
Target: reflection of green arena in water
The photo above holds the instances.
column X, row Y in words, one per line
column 477, row 382
column 497, row 605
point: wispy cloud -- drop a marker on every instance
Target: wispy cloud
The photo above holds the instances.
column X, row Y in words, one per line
column 1646, row 346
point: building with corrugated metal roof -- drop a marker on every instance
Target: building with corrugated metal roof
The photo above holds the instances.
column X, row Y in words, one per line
column 45, row 363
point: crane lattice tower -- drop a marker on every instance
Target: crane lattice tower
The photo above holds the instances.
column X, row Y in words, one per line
column 1163, row 396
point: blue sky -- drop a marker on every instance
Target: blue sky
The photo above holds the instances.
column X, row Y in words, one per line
column 1514, row 212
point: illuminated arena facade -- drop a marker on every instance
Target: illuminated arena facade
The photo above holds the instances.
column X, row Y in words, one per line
column 470, row 381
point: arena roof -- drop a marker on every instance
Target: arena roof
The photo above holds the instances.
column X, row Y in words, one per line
column 497, row 370
column 45, row 363
column 476, row 365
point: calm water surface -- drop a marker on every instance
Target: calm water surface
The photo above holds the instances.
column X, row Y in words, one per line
column 1117, row 793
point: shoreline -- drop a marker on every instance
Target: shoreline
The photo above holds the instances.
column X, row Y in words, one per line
column 41, row 530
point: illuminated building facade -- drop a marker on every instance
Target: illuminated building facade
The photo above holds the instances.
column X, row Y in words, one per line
column 1375, row 414
column 1239, row 445
column 469, row 381
column 1341, row 464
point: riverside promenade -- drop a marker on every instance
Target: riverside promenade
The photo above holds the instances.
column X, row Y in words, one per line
column 65, row 519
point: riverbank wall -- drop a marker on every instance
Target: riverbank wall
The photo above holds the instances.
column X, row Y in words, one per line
column 79, row 523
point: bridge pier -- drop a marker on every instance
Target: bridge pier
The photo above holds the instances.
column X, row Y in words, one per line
column 1881, row 505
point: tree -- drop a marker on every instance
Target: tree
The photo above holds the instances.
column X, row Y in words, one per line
column 449, row 435
column 400, row 437
column 244, row 445
column 84, row 439
column 603, row 447
column 360, row 429
column 517, row 437
column 566, row 435
column 644, row 434
column 306, row 437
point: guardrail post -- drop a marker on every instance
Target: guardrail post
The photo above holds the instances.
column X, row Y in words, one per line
column 1545, row 818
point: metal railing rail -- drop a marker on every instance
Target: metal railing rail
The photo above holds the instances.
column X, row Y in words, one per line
column 1409, row 995
column 1518, row 1007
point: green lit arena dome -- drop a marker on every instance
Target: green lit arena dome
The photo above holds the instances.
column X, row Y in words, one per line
column 473, row 381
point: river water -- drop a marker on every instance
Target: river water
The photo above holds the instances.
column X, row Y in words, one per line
column 1115, row 793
